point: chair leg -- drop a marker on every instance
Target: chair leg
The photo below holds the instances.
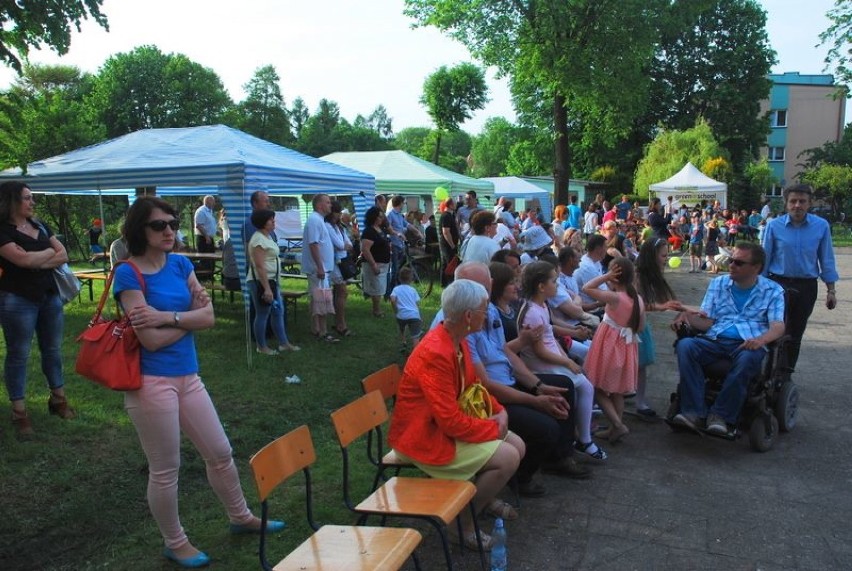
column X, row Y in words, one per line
column 446, row 543
column 478, row 537
column 416, row 560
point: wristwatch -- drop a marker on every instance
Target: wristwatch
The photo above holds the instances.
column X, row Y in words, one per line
column 176, row 318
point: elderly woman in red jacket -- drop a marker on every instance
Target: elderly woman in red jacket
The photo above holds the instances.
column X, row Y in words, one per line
column 428, row 427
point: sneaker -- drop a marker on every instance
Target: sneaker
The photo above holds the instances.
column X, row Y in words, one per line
column 687, row 420
column 717, row 425
column 596, row 410
column 591, row 451
column 567, row 468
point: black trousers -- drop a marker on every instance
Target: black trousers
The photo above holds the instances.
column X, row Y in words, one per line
column 547, row 439
column 800, row 298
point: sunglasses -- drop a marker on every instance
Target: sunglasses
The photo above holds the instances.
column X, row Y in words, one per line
column 739, row 263
column 160, row 225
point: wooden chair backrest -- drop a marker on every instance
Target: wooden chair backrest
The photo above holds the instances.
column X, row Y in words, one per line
column 359, row 417
column 385, row 380
column 281, row 458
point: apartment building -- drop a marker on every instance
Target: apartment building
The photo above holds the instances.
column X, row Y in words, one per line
column 803, row 113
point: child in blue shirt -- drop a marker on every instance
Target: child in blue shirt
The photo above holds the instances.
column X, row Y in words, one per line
column 405, row 301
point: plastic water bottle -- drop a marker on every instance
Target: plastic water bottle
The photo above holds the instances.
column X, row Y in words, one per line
column 276, row 304
column 498, row 547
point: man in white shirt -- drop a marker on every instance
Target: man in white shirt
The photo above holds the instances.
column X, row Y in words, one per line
column 205, row 230
column 318, row 261
column 590, row 266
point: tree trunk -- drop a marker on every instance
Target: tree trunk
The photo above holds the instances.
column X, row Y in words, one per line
column 562, row 169
column 437, row 148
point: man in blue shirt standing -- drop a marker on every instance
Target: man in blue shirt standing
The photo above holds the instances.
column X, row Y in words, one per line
column 798, row 252
column 397, row 225
column 741, row 314
column 575, row 214
column 623, row 208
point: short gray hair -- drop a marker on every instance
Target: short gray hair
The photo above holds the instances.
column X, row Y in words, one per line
column 461, row 296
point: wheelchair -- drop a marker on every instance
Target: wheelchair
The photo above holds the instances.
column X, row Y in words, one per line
column 772, row 399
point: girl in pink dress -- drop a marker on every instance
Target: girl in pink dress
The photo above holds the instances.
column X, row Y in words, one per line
column 612, row 364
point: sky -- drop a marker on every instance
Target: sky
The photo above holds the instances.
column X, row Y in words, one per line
column 359, row 54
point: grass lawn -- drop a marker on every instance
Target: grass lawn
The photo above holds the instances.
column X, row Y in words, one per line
column 74, row 498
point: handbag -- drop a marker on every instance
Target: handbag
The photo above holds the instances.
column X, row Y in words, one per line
column 322, row 299
column 348, row 268
column 67, row 284
column 474, row 400
column 450, row 270
column 109, row 350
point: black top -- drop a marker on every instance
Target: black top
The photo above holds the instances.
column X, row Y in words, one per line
column 31, row 284
column 380, row 249
column 95, row 236
column 712, row 234
column 659, row 225
column 448, row 220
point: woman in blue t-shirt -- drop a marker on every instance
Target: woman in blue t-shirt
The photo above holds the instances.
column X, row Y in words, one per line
column 165, row 305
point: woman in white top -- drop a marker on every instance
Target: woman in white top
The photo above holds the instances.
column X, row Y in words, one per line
column 590, row 221
column 262, row 280
column 342, row 249
column 481, row 245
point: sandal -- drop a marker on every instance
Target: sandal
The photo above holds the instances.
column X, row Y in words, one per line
column 288, row 347
column 345, row 332
column 468, row 540
column 501, row 509
column 617, row 434
column 327, row 337
column 598, row 455
column 266, row 351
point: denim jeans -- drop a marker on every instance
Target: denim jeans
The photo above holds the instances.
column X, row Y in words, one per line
column 20, row 318
column 263, row 313
column 695, row 352
column 397, row 257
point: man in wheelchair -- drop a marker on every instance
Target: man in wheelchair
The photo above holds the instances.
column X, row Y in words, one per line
column 741, row 314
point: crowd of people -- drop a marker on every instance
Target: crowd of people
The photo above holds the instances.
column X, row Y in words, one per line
column 549, row 317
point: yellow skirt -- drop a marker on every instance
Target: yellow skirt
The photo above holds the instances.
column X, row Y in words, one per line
column 470, row 458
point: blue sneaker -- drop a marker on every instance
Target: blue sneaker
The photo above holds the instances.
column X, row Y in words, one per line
column 272, row 526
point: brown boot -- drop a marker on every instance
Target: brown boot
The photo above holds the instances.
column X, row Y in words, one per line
column 59, row 406
column 22, row 424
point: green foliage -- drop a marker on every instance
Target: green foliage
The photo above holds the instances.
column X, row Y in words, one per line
column 712, row 62
column 326, row 132
column 839, row 37
column 490, row 149
column 299, row 115
column 532, row 156
column 263, row 112
column 47, row 115
column 562, row 50
column 146, row 89
column 833, row 182
column 760, row 178
column 670, row 150
column 605, row 173
column 718, row 168
column 411, row 140
column 25, row 25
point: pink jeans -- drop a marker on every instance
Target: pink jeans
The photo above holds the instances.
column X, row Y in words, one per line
column 160, row 410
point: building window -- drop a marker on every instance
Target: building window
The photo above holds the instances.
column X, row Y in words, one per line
column 776, row 190
column 776, row 154
column 778, row 118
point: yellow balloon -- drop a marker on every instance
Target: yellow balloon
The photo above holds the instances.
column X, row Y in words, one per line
column 674, row 262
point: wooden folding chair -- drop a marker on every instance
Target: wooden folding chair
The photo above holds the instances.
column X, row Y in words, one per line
column 386, row 381
column 434, row 500
column 332, row 547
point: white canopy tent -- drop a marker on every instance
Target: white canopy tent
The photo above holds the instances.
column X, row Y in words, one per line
column 690, row 186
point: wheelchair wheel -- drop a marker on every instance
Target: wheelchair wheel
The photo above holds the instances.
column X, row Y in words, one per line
column 787, row 406
column 760, row 439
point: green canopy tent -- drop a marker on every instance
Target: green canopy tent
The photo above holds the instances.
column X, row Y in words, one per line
column 397, row 172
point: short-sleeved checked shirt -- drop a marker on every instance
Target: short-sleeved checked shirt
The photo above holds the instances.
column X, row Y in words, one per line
column 764, row 305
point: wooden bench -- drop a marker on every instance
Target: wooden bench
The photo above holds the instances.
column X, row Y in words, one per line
column 88, row 277
column 291, row 299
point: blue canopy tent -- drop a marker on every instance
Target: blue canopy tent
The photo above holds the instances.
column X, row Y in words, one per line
column 212, row 159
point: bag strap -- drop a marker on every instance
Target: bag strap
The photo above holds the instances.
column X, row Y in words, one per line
column 108, row 286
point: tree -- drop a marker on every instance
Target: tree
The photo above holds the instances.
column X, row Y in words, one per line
column 411, row 140
column 299, row 115
column 451, row 95
column 381, row 122
column 46, row 114
column 670, row 150
column 263, row 113
column 490, row 149
column 713, row 62
column 586, row 57
column 834, row 153
column 839, row 36
column 145, row 89
column 833, row 182
column 25, row 25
